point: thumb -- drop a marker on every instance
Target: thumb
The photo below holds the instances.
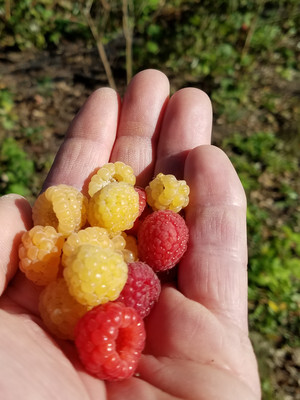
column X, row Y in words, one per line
column 15, row 218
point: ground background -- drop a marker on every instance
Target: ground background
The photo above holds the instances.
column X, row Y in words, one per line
column 244, row 54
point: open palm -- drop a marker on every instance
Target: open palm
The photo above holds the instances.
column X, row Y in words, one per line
column 197, row 334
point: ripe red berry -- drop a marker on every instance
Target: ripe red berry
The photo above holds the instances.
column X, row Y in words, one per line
column 142, row 288
column 109, row 339
column 144, row 210
column 142, row 198
column 162, row 239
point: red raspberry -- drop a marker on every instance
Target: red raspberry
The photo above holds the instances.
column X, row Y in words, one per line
column 109, row 339
column 142, row 198
column 142, row 288
column 134, row 230
column 162, row 239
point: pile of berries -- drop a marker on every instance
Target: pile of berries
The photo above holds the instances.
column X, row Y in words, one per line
column 97, row 258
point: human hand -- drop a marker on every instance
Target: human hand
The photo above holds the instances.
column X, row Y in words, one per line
column 197, row 334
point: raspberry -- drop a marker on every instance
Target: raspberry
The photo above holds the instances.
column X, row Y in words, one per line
column 162, row 239
column 91, row 235
column 39, row 254
column 142, row 288
column 111, row 172
column 60, row 312
column 109, row 340
column 134, row 230
column 142, row 198
column 118, row 242
column 115, row 207
column 142, row 208
column 124, row 244
column 165, row 192
column 95, row 275
column 130, row 252
column 62, row 207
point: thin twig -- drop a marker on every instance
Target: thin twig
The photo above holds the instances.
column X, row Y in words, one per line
column 100, row 47
column 7, row 10
column 128, row 32
column 105, row 5
column 252, row 29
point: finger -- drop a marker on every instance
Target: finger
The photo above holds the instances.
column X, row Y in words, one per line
column 140, row 121
column 15, row 219
column 214, row 269
column 89, row 140
column 187, row 124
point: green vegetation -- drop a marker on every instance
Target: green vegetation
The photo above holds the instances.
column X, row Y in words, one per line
column 7, row 116
column 244, row 54
column 40, row 24
column 265, row 170
column 16, row 169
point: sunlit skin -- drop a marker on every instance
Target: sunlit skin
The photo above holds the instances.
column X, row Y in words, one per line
column 197, row 334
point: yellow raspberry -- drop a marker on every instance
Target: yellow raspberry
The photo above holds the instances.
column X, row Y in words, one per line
column 62, row 207
column 111, row 172
column 39, row 254
column 118, row 242
column 130, row 252
column 91, row 235
column 165, row 192
column 126, row 245
column 59, row 311
column 115, row 207
column 95, row 275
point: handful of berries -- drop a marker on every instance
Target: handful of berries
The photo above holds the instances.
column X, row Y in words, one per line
column 97, row 258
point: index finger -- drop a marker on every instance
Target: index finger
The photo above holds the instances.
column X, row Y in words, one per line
column 142, row 112
column 88, row 142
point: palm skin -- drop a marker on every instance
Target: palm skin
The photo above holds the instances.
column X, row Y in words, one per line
column 197, row 334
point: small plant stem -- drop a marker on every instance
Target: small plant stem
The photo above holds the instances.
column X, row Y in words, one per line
column 252, row 29
column 7, row 10
column 127, row 30
column 100, row 46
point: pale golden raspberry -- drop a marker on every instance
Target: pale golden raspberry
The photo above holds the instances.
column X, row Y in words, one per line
column 130, row 252
column 95, row 275
column 92, row 235
column 165, row 192
column 111, row 172
column 39, row 254
column 62, row 207
column 60, row 311
column 115, row 207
